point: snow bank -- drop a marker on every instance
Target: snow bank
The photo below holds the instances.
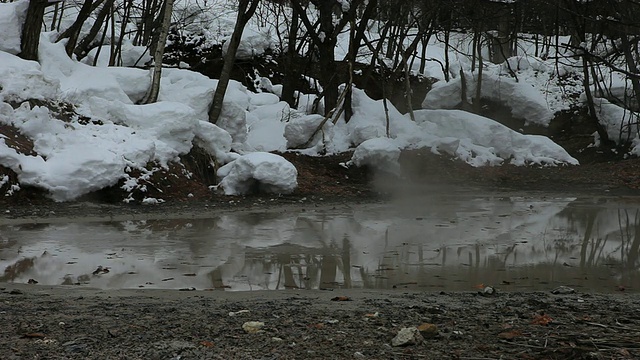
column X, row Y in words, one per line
column 77, row 158
column 258, row 172
column 621, row 124
column 12, row 16
column 84, row 85
column 170, row 126
column 266, row 127
column 21, row 80
column 253, row 43
column 369, row 122
column 378, row 153
column 233, row 117
column 73, row 159
column 214, row 140
column 299, row 129
column 131, row 55
column 484, row 141
column 524, row 100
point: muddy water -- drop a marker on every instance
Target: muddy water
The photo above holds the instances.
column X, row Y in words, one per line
column 432, row 243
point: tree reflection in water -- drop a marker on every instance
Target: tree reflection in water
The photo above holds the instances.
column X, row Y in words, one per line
column 505, row 242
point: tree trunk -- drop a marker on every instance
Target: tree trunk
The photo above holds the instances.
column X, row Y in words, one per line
column 73, row 32
column 477, row 103
column 84, row 46
column 125, row 20
column 152, row 95
column 502, row 43
column 291, row 74
column 602, row 132
column 30, row 39
column 632, row 66
column 244, row 14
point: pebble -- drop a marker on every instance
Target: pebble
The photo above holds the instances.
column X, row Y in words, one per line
column 234, row 313
column 428, row 330
column 407, row 336
column 563, row 290
column 252, row 327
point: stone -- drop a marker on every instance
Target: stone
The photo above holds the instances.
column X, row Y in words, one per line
column 252, row 327
column 563, row 290
column 428, row 331
column 407, row 336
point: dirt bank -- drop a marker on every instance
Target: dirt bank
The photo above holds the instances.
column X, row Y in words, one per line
column 55, row 323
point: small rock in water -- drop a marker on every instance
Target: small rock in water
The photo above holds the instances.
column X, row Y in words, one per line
column 563, row 290
column 252, row 327
column 407, row 336
column 488, row 291
column 32, row 281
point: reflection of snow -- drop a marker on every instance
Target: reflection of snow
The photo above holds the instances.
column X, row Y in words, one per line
column 361, row 246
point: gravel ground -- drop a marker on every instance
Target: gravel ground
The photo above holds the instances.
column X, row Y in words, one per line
column 57, row 323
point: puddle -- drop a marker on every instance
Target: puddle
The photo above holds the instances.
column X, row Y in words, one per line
column 437, row 243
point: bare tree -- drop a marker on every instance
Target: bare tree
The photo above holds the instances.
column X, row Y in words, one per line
column 84, row 45
column 332, row 18
column 73, row 32
column 246, row 9
column 152, row 94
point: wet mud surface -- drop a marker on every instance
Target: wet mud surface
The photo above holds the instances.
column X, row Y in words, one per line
column 54, row 323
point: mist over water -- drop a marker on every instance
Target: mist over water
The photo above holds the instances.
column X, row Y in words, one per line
column 446, row 241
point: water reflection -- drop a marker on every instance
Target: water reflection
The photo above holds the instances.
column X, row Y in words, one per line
column 447, row 242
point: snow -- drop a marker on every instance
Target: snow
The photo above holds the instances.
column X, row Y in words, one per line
column 378, row 153
column 21, row 80
column 621, row 124
column 483, row 141
column 266, row 127
column 253, row 43
column 131, row 55
column 299, row 129
column 73, row 160
column 12, row 15
column 266, row 172
column 525, row 101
